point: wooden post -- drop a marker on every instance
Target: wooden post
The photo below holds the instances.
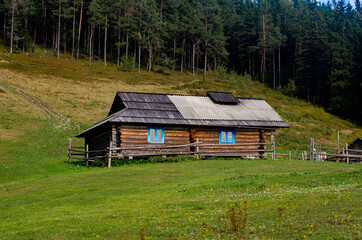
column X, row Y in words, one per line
column 347, row 152
column 311, row 149
column 110, row 154
column 197, row 148
column 320, row 152
column 70, row 151
column 290, row 155
column 337, row 142
column 305, row 156
column 86, row 154
column 272, row 146
column 261, row 146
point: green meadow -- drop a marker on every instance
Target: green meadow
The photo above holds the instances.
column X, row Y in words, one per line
column 44, row 197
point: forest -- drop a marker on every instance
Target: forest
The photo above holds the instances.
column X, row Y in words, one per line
column 305, row 48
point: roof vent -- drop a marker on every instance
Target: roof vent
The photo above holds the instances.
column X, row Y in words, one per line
column 222, row 98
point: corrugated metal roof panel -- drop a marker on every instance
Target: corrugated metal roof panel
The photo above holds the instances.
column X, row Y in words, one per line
column 193, row 107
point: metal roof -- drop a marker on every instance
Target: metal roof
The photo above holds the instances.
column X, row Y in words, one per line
column 193, row 107
column 161, row 109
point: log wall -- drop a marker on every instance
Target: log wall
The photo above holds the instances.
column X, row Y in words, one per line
column 133, row 135
column 211, row 136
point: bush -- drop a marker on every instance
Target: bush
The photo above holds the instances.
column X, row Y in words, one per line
column 290, row 89
column 126, row 64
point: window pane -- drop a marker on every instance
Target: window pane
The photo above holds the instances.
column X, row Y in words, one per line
column 230, row 137
column 152, row 134
column 159, row 134
column 223, row 136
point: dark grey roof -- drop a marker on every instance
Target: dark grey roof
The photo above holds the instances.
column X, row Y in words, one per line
column 161, row 109
column 222, row 97
column 356, row 144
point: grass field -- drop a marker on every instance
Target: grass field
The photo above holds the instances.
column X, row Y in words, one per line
column 42, row 197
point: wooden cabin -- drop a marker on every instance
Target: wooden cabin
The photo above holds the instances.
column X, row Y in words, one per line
column 225, row 125
column 355, row 148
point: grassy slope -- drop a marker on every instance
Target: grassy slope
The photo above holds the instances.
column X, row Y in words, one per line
column 50, row 199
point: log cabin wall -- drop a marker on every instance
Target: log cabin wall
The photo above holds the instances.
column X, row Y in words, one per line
column 137, row 135
column 211, row 136
column 99, row 139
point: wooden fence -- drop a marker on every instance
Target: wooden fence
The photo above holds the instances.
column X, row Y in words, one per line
column 326, row 153
column 83, row 153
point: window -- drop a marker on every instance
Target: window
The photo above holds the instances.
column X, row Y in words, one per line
column 155, row 134
column 226, row 136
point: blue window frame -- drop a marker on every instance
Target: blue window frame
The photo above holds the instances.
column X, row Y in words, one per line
column 226, row 136
column 155, row 134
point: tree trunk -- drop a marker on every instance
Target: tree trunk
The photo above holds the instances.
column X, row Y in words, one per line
column 12, row 25
column 80, row 27
column 4, row 26
column 274, row 70
column 118, row 46
column 215, row 63
column 139, row 52
column 134, row 53
column 105, row 41
column 73, row 30
column 182, row 54
column 150, row 56
column 127, row 33
column 90, row 45
column 280, row 78
column 54, row 41
column 86, row 39
column 45, row 25
column 206, row 42
column 205, row 62
column 264, row 51
column 34, row 37
column 99, row 40
column 25, row 47
column 58, row 37
column 249, row 69
column 253, row 66
column 193, row 57
column 174, row 53
column 198, row 56
column 65, row 37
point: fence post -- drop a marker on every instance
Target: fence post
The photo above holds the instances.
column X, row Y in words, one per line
column 290, row 155
column 197, row 148
column 86, row 154
column 70, row 151
column 272, row 146
column 347, row 152
column 110, row 154
column 311, row 149
column 337, row 142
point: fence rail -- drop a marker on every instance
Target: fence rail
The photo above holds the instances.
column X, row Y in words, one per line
column 338, row 154
column 164, row 151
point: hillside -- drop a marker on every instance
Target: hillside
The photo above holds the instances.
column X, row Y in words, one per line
column 44, row 101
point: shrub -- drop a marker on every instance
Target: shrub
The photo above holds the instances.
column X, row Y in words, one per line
column 126, row 64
